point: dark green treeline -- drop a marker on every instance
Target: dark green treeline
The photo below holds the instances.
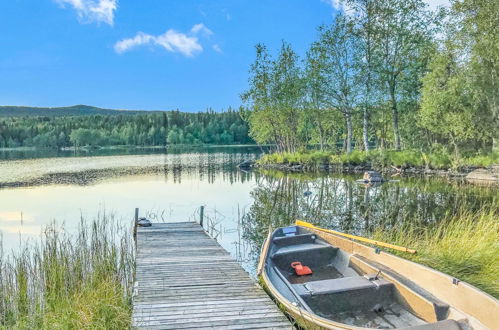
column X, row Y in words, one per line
column 148, row 129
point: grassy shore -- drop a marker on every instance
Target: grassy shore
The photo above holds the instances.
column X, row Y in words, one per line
column 380, row 159
column 80, row 281
column 464, row 245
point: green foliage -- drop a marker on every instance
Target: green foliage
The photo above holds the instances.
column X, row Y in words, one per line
column 447, row 105
column 439, row 160
column 460, row 96
column 81, row 281
column 380, row 76
column 274, row 100
column 380, row 159
column 483, row 160
column 149, row 129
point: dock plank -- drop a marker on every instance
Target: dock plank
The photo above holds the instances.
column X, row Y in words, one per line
column 186, row 280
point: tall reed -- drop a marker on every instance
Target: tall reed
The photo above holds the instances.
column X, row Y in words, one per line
column 465, row 245
column 70, row 281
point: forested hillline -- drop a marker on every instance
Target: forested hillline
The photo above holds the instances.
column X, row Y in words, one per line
column 383, row 75
column 120, row 128
column 75, row 110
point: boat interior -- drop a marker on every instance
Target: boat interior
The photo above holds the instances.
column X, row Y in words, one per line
column 347, row 288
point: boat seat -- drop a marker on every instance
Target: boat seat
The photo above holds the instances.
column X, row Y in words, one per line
column 309, row 254
column 339, row 285
column 296, row 239
column 306, row 247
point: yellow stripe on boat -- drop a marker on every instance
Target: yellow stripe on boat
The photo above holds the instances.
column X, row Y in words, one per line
column 358, row 238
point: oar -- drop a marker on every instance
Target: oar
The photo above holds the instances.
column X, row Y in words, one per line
column 358, row 238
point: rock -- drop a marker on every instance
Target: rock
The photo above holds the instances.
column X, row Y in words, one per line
column 484, row 175
column 247, row 164
column 372, row 176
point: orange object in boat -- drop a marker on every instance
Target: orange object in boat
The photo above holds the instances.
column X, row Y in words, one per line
column 300, row 269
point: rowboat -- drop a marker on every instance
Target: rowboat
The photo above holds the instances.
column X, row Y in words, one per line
column 357, row 286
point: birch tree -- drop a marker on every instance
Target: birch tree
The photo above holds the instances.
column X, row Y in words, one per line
column 339, row 46
column 404, row 30
column 365, row 15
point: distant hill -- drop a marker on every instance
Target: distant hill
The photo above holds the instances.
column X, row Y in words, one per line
column 75, row 110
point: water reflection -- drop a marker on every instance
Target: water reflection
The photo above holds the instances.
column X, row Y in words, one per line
column 339, row 202
column 90, row 170
column 240, row 206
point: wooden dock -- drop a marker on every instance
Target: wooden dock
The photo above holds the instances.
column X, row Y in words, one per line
column 186, row 280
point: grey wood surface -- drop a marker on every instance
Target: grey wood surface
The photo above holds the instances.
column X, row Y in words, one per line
column 186, row 280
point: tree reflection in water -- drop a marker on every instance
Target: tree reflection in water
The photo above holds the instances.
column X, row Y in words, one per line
column 339, row 202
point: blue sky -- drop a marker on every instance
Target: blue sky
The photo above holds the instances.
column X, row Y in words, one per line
column 144, row 54
column 148, row 54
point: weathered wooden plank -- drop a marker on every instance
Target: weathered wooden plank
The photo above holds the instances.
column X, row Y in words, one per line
column 268, row 325
column 215, row 304
column 207, row 314
column 218, row 324
column 205, row 302
column 185, row 279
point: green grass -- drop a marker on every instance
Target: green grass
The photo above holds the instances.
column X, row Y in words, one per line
column 381, row 159
column 81, row 281
column 464, row 245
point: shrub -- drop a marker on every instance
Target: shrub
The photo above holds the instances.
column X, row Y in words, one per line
column 483, row 160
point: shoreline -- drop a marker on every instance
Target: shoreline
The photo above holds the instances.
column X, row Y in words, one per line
column 358, row 169
column 478, row 167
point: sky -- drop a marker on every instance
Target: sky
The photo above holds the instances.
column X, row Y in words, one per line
column 148, row 54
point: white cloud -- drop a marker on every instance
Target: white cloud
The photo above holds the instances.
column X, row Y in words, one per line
column 435, row 4
column 201, row 28
column 127, row 44
column 93, row 10
column 171, row 40
column 217, row 48
column 336, row 4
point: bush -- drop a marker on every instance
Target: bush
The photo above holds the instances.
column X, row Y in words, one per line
column 406, row 158
column 437, row 159
column 483, row 160
column 440, row 160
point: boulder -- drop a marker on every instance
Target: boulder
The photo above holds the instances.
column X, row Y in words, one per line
column 247, row 164
column 484, row 175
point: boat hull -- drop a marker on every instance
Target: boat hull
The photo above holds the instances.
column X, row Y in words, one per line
column 480, row 310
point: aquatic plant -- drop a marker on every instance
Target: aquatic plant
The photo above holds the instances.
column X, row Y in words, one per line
column 70, row 281
column 465, row 244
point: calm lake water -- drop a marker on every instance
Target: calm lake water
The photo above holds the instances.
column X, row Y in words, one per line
column 38, row 188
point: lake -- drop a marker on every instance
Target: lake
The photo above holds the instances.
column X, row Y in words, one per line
column 39, row 188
